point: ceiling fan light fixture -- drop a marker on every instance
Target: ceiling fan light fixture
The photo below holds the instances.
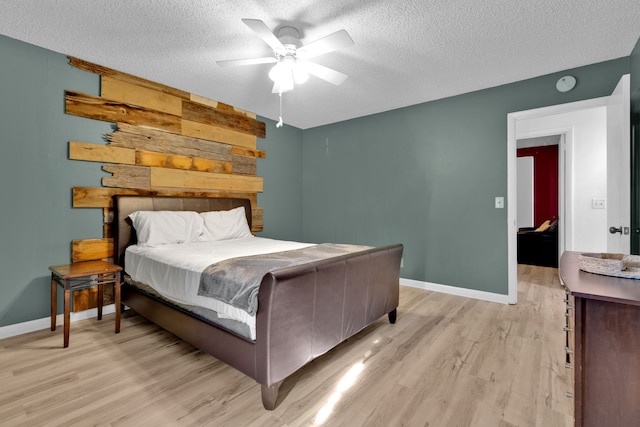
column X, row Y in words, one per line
column 286, row 72
column 291, row 57
column 277, row 72
column 282, row 78
column 300, row 75
column 286, row 84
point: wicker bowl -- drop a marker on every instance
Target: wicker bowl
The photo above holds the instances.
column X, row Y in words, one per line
column 604, row 263
column 618, row 265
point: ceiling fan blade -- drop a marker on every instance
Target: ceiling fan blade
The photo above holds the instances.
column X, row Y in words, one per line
column 325, row 73
column 338, row 40
column 242, row 62
column 261, row 29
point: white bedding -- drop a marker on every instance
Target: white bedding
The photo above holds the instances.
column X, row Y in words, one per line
column 173, row 270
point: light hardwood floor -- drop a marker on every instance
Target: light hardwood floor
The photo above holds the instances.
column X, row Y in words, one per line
column 448, row 361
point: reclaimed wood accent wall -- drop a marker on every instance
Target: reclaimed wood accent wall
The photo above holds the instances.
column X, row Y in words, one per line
column 167, row 142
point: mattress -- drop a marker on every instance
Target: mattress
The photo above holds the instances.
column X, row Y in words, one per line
column 174, row 270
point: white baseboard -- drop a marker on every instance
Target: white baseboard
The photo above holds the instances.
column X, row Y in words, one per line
column 45, row 323
column 454, row 290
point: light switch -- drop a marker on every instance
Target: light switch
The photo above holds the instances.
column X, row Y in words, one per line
column 499, row 202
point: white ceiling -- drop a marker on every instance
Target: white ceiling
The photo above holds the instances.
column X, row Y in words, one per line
column 405, row 52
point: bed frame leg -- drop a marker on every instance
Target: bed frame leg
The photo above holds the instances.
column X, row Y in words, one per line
column 270, row 395
column 392, row 316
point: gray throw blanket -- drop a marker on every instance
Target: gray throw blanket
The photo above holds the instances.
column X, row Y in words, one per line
column 236, row 281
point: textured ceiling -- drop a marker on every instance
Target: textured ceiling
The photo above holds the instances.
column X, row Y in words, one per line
column 405, row 52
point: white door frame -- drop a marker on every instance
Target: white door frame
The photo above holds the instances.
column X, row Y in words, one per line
column 618, row 199
column 565, row 170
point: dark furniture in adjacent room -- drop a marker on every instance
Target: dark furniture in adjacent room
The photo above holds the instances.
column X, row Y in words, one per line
column 538, row 247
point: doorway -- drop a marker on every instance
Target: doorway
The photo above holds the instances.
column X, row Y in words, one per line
column 585, row 120
column 538, row 199
column 538, row 186
column 592, row 192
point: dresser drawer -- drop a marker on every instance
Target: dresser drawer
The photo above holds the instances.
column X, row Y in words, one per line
column 569, row 328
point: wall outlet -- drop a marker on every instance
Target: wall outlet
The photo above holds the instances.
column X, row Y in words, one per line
column 401, row 262
column 598, row 204
column 500, row 202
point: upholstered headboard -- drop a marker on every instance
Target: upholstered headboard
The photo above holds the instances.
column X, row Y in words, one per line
column 125, row 205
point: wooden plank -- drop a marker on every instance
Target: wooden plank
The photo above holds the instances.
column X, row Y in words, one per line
column 91, row 249
column 101, row 153
column 104, row 71
column 151, row 158
column 244, row 165
column 175, row 161
column 108, row 228
column 215, row 104
column 125, row 176
column 84, row 299
column 107, row 215
column 196, row 112
column 93, row 107
column 129, row 93
column 101, row 197
column 195, row 155
column 257, row 221
column 131, row 81
column 174, row 178
column 206, row 165
column 184, row 192
column 241, row 151
column 108, row 231
column 92, row 197
column 142, row 138
column 219, row 134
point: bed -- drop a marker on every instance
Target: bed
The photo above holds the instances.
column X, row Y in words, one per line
column 303, row 310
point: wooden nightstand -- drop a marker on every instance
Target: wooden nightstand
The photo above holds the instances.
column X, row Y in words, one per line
column 82, row 275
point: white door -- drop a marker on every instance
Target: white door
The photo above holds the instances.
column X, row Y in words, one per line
column 525, row 191
column 619, row 168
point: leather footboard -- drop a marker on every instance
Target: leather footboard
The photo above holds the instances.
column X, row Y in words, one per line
column 305, row 311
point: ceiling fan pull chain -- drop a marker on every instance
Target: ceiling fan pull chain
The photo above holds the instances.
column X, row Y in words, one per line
column 279, row 124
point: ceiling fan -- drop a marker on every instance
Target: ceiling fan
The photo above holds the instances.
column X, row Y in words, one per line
column 292, row 57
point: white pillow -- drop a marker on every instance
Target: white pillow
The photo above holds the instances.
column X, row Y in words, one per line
column 225, row 225
column 165, row 227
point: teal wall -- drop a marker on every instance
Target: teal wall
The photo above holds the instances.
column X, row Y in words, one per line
column 37, row 223
column 427, row 175
column 282, row 173
column 424, row 175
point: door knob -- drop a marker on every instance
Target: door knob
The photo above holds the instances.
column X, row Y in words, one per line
column 614, row 230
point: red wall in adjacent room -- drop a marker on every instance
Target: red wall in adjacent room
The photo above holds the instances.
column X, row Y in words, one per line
column 545, row 181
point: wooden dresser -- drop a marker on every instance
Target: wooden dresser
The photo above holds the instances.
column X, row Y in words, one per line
column 603, row 345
